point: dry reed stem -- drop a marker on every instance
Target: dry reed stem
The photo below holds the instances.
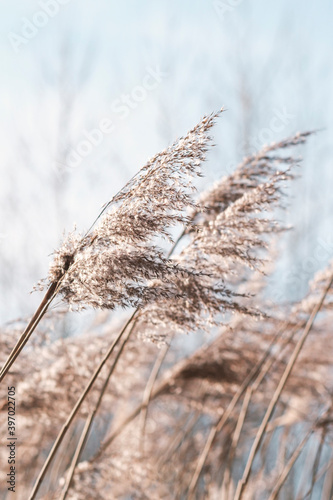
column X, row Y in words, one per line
column 235, row 440
column 216, row 429
column 309, row 465
column 317, row 460
column 276, row 396
column 149, row 387
column 284, row 475
column 221, row 422
column 76, row 456
column 75, row 411
column 327, row 489
column 186, row 427
column 163, row 384
column 319, row 474
column 36, row 318
column 91, row 417
column 241, row 418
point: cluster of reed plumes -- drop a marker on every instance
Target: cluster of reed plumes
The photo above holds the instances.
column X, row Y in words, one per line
column 246, row 415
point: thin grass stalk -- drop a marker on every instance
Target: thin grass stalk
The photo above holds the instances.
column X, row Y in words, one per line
column 235, row 440
column 222, row 421
column 317, row 461
column 76, row 456
column 149, row 387
column 283, row 449
column 35, row 320
column 162, row 385
column 186, row 426
column 327, row 491
column 285, row 473
column 310, row 467
column 209, row 442
column 75, row 411
column 241, row 418
column 33, row 323
column 319, row 475
column 270, row 361
column 90, row 419
column 276, row 396
column 216, row 429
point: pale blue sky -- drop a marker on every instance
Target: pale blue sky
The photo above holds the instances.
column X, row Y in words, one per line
column 259, row 59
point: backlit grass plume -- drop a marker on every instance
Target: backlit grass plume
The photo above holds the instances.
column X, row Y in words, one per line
column 230, row 230
column 113, row 263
